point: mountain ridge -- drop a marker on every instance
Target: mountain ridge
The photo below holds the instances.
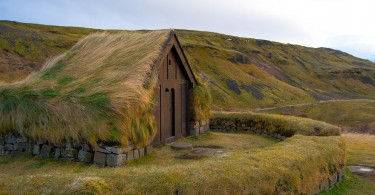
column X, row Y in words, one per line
column 241, row 73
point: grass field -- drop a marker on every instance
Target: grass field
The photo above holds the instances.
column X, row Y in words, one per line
column 253, row 164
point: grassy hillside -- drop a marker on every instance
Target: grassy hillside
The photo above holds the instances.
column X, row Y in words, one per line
column 25, row 47
column 351, row 115
column 250, row 73
column 241, row 73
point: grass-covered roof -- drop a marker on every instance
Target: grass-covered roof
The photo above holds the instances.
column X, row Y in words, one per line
column 101, row 89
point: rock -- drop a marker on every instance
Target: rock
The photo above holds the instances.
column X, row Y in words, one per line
column 9, row 147
column 71, row 153
column 84, row 156
column 341, row 174
column 77, row 145
column 2, row 141
column 182, row 146
column 8, row 138
column 2, row 151
column 86, row 147
column 115, row 160
column 36, row 149
column 56, row 152
column 141, row 152
column 68, row 145
column 333, row 181
column 29, row 148
column 100, row 158
column 148, row 149
column 100, row 149
column 135, row 154
column 201, row 130
column 20, row 147
column 203, row 123
column 206, row 128
column 129, row 156
column 21, row 140
column 46, row 151
column 119, row 150
column 192, row 128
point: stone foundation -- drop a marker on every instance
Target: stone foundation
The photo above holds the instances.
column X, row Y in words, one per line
column 199, row 127
column 101, row 155
column 330, row 182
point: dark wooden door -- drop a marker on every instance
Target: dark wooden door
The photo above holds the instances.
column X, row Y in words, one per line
column 172, row 96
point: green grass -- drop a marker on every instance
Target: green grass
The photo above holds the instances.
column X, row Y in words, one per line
column 352, row 184
column 251, row 164
column 273, row 123
column 351, row 115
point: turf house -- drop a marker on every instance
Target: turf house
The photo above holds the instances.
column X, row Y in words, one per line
column 107, row 100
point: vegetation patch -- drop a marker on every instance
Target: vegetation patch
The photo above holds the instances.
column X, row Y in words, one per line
column 252, row 164
column 272, row 123
column 357, row 115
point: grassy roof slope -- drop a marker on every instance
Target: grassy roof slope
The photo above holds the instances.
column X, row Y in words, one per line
column 101, row 88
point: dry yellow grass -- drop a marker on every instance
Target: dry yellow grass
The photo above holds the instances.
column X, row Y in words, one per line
column 100, row 89
column 254, row 165
column 361, row 149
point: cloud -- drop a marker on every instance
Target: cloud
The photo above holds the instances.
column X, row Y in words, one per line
column 339, row 24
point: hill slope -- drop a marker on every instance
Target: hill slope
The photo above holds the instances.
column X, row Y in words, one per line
column 25, row 47
column 241, row 73
column 248, row 73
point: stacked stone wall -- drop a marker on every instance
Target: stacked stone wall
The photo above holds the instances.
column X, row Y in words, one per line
column 102, row 155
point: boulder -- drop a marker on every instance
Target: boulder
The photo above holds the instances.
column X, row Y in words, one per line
column 71, row 153
column 84, row 156
column 119, row 150
column 135, row 154
column 148, row 149
column 100, row 158
column 101, row 149
column 2, row 141
column 56, row 152
column 141, row 152
column 129, row 156
column 20, row 147
column 2, row 151
column 21, row 140
column 115, row 160
column 201, row 130
column 36, row 149
column 86, row 147
column 46, row 151
column 9, row 147
column 8, row 138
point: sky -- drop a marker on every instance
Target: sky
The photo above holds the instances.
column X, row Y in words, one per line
column 347, row 25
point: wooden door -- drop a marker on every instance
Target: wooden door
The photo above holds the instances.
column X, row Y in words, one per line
column 172, row 93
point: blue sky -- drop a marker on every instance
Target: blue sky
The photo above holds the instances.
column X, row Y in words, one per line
column 347, row 25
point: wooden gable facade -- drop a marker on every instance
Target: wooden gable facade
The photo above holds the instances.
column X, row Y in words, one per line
column 175, row 78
